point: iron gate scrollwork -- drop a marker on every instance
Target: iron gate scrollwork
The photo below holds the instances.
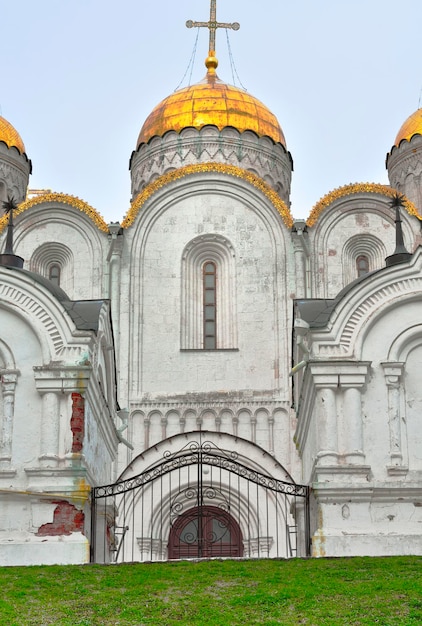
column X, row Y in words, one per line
column 202, row 501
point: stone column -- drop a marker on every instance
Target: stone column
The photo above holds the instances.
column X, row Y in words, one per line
column 271, row 432
column 50, row 425
column 392, row 373
column 147, row 423
column 8, row 384
column 53, row 384
column 326, row 381
column 352, row 379
column 327, row 423
column 253, row 428
column 352, row 412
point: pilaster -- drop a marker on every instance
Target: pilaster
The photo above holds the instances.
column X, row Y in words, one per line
column 340, row 441
column 8, row 386
column 393, row 372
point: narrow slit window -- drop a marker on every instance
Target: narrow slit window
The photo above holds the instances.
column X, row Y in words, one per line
column 209, row 277
column 362, row 265
column 54, row 274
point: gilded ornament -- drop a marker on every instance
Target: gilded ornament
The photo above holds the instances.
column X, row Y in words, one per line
column 10, row 136
column 349, row 190
column 62, row 198
column 200, row 168
column 412, row 126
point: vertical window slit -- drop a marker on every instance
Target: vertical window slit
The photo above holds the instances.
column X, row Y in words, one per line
column 362, row 265
column 54, row 274
column 209, row 278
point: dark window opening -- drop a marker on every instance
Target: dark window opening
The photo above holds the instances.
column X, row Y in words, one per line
column 209, row 279
column 54, row 274
column 362, row 265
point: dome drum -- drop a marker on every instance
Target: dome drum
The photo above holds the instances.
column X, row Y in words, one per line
column 404, row 165
column 261, row 155
column 15, row 167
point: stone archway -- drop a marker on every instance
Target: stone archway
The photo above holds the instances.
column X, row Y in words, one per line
column 200, row 501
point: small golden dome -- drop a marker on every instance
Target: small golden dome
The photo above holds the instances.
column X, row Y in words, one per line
column 211, row 102
column 412, row 126
column 10, row 136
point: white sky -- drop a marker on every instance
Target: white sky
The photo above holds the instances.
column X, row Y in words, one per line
column 79, row 77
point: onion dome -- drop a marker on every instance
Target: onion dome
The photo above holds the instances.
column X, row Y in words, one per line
column 412, row 126
column 211, row 102
column 404, row 160
column 10, row 136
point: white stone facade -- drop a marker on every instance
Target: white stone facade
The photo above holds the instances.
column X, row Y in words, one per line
column 57, row 416
column 346, row 423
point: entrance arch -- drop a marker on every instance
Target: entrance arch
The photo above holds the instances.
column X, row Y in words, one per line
column 188, row 497
column 205, row 532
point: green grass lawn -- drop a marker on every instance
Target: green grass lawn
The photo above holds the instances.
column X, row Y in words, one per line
column 351, row 591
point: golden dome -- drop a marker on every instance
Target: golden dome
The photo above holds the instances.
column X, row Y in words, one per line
column 10, row 136
column 412, row 126
column 211, row 102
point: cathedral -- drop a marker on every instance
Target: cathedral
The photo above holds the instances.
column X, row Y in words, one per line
column 211, row 377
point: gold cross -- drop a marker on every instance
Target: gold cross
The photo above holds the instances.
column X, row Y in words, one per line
column 212, row 25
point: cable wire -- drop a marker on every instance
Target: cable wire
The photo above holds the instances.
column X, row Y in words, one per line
column 232, row 64
column 191, row 62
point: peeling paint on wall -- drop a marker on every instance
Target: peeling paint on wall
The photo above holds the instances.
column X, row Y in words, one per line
column 67, row 519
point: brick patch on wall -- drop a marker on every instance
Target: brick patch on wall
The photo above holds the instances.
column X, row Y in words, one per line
column 67, row 519
column 77, row 422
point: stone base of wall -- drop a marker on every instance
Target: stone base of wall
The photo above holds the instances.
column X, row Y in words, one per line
column 366, row 545
column 27, row 549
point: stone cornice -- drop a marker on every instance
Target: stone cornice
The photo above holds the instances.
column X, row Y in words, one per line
column 338, row 492
column 60, row 379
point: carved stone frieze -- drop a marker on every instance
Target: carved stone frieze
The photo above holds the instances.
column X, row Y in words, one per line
column 404, row 164
column 268, row 160
column 14, row 172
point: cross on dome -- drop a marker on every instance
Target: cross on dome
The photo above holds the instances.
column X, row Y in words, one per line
column 212, row 25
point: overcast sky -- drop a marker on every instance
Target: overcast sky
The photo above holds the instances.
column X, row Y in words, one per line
column 79, row 77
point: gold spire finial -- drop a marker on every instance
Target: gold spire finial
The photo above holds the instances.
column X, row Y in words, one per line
column 211, row 61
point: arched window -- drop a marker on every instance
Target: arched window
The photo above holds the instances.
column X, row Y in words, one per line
column 362, row 265
column 209, row 279
column 208, row 295
column 54, row 274
column 55, row 261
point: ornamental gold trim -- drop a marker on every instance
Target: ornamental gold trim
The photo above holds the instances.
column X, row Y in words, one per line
column 62, row 198
column 10, row 136
column 200, row 168
column 349, row 190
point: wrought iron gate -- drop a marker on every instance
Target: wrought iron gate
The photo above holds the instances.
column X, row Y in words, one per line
column 201, row 501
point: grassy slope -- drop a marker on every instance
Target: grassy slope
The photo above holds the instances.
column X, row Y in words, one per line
column 353, row 591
